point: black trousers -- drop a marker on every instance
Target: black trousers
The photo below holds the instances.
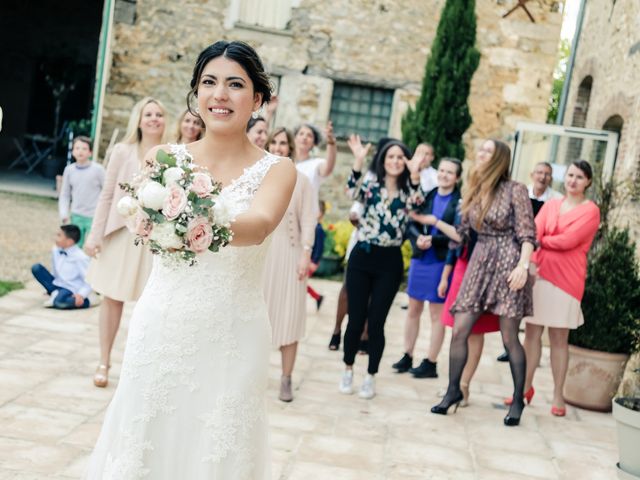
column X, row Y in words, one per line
column 373, row 279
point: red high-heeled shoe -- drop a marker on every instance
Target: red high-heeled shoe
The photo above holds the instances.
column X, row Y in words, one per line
column 558, row 411
column 528, row 396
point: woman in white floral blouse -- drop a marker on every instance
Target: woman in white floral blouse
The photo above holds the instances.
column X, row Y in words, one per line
column 388, row 192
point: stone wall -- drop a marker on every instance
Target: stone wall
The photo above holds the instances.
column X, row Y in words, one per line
column 382, row 43
column 609, row 52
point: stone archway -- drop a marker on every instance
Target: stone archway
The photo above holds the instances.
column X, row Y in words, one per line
column 615, row 123
column 581, row 106
column 579, row 117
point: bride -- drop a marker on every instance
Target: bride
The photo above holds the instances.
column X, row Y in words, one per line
column 190, row 401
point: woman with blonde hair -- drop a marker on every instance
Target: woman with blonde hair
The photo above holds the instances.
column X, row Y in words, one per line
column 497, row 279
column 189, row 128
column 119, row 269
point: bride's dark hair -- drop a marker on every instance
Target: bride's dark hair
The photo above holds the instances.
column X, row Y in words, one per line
column 239, row 52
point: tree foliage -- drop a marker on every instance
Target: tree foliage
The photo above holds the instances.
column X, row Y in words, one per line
column 441, row 115
column 559, row 77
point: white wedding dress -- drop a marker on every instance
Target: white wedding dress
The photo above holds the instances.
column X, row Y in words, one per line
column 190, row 403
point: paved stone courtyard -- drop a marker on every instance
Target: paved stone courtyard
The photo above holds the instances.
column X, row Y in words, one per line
column 50, row 412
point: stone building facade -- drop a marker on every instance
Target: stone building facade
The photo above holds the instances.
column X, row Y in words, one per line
column 354, row 49
column 605, row 92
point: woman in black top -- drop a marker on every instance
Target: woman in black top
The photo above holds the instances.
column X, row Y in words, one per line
column 375, row 268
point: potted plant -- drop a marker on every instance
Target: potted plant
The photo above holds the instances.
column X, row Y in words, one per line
column 626, row 411
column 330, row 261
column 335, row 246
column 599, row 349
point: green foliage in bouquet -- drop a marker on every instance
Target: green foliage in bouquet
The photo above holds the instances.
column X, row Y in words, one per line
column 165, row 158
column 611, row 302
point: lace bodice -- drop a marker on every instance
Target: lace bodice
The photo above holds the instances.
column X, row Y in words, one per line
column 232, row 271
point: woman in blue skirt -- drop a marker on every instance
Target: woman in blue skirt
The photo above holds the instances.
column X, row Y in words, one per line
column 430, row 248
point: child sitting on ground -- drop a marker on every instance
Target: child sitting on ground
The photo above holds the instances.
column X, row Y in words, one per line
column 67, row 288
column 81, row 186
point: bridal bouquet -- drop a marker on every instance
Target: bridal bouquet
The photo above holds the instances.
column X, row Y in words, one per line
column 176, row 208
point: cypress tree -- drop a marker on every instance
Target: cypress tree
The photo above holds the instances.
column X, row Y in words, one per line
column 441, row 115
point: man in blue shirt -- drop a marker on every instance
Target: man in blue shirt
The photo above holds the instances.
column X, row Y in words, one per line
column 66, row 287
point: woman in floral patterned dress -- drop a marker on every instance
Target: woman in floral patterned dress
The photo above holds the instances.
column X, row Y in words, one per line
column 497, row 278
column 375, row 266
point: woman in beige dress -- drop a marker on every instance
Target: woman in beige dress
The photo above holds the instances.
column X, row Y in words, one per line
column 119, row 269
column 285, row 277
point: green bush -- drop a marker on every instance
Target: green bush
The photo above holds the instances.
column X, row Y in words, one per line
column 611, row 302
column 441, row 114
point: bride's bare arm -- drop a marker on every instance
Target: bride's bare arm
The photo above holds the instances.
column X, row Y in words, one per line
column 267, row 207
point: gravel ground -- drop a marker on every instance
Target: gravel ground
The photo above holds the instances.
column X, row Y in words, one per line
column 26, row 236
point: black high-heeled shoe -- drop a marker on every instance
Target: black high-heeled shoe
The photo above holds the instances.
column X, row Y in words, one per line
column 512, row 420
column 443, row 407
column 334, row 344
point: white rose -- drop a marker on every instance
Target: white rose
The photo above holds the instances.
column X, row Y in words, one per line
column 172, row 174
column 152, row 195
column 127, row 206
column 164, row 234
column 221, row 213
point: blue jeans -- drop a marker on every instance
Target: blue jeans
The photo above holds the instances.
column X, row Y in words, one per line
column 65, row 299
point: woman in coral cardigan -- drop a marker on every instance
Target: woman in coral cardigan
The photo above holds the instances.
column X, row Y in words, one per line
column 565, row 229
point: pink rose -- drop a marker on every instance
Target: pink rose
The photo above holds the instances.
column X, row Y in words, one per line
column 143, row 226
column 199, row 234
column 175, row 202
column 201, row 184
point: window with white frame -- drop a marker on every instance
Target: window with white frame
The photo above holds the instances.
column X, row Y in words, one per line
column 365, row 111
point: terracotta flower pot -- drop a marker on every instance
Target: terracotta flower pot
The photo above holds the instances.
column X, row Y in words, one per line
column 593, row 378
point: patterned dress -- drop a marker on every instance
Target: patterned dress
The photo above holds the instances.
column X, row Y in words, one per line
column 507, row 225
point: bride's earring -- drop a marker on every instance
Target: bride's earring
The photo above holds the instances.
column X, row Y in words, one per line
column 197, row 110
column 255, row 114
